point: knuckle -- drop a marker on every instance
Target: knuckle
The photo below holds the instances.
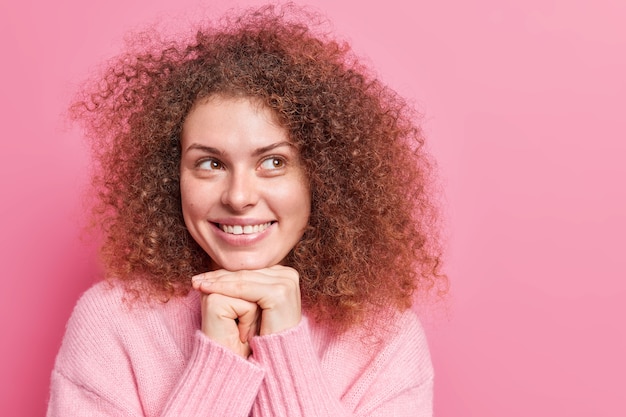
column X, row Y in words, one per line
column 293, row 274
column 284, row 290
column 212, row 300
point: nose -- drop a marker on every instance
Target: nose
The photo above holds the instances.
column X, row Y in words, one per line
column 241, row 191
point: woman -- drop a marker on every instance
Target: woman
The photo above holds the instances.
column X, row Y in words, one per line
column 267, row 219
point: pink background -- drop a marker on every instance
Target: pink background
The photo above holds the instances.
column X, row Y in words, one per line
column 525, row 106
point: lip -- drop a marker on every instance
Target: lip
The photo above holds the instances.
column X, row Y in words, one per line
column 231, row 221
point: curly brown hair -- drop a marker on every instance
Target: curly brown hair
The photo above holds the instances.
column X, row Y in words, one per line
column 372, row 239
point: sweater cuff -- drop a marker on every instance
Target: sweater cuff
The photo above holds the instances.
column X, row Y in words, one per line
column 295, row 342
column 294, row 383
column 216, row 382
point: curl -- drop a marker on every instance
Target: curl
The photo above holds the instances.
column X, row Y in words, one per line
column 373, row 235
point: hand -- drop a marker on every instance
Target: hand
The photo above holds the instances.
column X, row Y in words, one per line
column 230, row 322
column 275, row 290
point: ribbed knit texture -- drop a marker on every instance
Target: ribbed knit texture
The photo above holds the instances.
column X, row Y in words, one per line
column 131, row 359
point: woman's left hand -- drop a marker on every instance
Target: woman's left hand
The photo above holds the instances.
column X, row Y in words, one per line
column 276, row 290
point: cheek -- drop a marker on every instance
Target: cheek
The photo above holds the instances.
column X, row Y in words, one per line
column 192, row 208
column 300, row 198
column 189, row 196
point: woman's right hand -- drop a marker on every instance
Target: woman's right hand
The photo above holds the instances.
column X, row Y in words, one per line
column 231, row 322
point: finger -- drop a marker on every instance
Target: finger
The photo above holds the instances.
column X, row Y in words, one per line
column 280, row 302
column 228, row 308
column 278, row 271
column 220, row 317
column 269, row 291
column 248, row 324
column 264, row 293
column 275, row 290
column 239, row 281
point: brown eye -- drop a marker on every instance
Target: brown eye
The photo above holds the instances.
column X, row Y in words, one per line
column 210, row 164
column 273, row 163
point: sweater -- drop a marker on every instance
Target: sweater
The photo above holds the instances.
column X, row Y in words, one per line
column 121, row 358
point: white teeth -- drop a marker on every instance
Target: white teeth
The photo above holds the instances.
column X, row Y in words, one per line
column 244, row 230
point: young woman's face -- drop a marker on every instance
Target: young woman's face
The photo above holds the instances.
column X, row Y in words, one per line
column 245, row 196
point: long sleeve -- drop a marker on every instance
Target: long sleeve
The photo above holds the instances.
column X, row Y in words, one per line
column 309, row 373
column 216, row 382
column 116, row 360
column 130, row 359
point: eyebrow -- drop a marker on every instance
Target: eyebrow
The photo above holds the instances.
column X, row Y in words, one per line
column 257, row 152
column 206, row 149
column 264, row 149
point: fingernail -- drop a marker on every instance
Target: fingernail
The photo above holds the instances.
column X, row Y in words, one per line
column 196, row 282
column 205, row 284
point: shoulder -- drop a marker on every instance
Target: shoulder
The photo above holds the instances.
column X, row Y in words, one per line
column 93, row 355
column 102, row 298
column 99, row 310
column 389, row 330
column 400, row 338
column 403, row 328
column 407, row 341
column 384, row 362
column 108, row 326
column 108, row 304
column 392, row 350
column 401, row 364
column 93, row 327
column 114, row 344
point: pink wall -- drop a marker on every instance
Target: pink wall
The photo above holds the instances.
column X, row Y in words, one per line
column 525, row 113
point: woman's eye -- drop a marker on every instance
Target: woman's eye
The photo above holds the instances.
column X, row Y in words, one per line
column 210, row 164
column 272, row 163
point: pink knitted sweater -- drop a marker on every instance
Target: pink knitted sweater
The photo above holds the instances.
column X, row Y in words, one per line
column 131, row 359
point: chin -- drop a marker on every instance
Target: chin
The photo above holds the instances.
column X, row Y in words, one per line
column 243, row 264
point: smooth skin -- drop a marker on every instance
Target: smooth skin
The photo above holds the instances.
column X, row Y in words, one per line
column 246, row 202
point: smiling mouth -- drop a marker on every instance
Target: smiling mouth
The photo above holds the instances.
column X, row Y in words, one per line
column 236, row 229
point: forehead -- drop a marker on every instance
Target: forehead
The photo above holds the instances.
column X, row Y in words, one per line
column 253, row 105
column 232, row 122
